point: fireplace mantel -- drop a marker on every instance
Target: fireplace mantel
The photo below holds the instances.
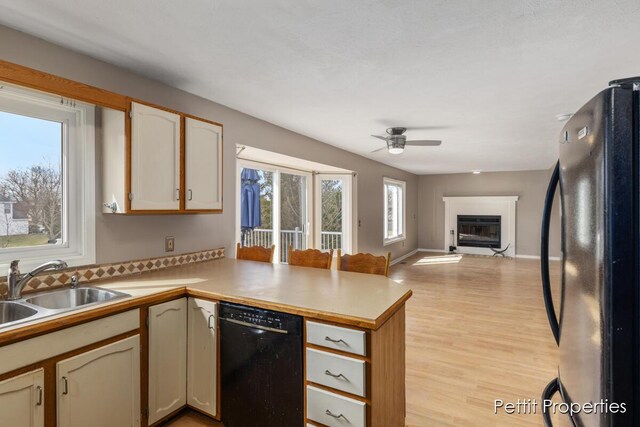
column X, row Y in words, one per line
column 503, row 206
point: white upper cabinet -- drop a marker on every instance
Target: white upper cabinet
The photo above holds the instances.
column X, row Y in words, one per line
column 101, row 387
column 202, row 354
column 22, row 400
column 167, row 358
column 155, row 159
column 203, row 165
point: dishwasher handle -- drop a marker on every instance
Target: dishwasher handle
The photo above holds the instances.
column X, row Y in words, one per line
column 251, row 325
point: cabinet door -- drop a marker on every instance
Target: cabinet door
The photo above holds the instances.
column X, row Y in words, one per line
column 155, row 159
column 203, row 165
column 22, row 400
column 101, row 387
column 167, row 358
column 202, row 356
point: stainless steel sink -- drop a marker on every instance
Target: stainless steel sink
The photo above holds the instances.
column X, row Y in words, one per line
column 50, row 303
column 11, row 312
column 73, row 298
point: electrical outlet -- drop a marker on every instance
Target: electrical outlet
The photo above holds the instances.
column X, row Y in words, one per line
column 169, row 244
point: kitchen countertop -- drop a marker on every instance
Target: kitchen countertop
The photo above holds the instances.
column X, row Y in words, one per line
column 363, row 300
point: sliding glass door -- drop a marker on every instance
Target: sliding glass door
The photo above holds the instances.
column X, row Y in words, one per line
column 293, row 213
column 333, row 212
column 284, row 207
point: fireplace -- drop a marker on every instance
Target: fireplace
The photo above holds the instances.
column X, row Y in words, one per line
column 480, row 231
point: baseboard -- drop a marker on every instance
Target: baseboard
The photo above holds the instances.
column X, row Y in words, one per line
column 433, row 250
column 551, row 258
column 405, row 256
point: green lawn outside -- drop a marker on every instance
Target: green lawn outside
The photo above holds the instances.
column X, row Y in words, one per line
column 23, row 240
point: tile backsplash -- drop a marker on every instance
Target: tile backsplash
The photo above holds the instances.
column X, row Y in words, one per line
column 90, row 273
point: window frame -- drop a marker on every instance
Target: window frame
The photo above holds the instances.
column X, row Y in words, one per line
column 78, row 169
column 402, row 216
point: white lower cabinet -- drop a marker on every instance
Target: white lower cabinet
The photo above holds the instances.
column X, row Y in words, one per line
column 22, row 400
column 167, row 358
column 334, row 410
column 101, row 387
column 202, row 356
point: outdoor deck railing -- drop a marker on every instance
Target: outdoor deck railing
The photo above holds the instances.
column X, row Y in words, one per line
column 295, row 238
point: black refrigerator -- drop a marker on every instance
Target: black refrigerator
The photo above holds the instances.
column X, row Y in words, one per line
column 597, row 326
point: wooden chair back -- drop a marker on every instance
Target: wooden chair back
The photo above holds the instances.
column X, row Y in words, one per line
column 255, row 253
column 364, row 263
column 310, row 258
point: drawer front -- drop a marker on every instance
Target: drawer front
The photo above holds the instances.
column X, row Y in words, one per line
column 337, row 338
column 339, row 372
column 334, row 410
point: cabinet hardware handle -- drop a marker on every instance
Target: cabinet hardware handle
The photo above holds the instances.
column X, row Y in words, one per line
column 331, row 374
column 66, row 386
column 336, row 341
column 177, row 194
column 331, row 414
column 38, row 396
column 209, row 321
column 190, row 194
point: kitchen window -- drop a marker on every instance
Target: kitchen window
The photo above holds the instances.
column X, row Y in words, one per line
column 47, row 178
column 394, row 210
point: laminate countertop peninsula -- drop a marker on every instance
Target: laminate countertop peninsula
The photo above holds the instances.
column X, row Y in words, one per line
column 356, row 299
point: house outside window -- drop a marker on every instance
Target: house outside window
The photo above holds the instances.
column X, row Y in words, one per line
column 47, row 178
column 394, row 210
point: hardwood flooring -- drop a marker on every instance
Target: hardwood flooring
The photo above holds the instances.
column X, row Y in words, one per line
column 476, row 331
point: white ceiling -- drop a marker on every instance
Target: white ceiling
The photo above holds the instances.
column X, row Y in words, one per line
column 486, row 77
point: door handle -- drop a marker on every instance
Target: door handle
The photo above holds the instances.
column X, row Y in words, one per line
column 209, row 321
column 65, row 383
column 177, row 194
column 331, row 414
column 544, row 253
column 331, row 374
column 190, row 194
column 547, row 393
column 38, row 396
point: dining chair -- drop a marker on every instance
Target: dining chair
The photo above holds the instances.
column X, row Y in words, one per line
column 364, row 263
column 310, row 258
column 255, row 253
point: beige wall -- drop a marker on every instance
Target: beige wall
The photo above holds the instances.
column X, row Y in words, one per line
column 124, row 237
column 531, row 186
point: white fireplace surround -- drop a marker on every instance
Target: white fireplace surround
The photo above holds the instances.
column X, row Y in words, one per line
column 503, row 206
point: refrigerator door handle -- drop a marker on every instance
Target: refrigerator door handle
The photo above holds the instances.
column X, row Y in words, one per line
column 547, row 394
column 544, row 253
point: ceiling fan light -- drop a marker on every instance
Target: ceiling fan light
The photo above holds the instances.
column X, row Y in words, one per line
column 396, row 150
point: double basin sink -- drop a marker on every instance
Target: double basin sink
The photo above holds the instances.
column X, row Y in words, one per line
column 53, row 302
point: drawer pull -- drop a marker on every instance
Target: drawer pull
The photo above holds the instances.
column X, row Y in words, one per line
column 328, row 372
column 38, row 396
column 336, row 341
column 331, row 414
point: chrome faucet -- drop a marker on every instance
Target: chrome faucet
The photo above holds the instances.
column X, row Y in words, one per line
column 16, row 281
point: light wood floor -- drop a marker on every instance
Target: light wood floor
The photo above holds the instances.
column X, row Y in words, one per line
column 476, row 332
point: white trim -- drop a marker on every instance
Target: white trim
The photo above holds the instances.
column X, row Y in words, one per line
column 347, row 202
column 275, row 206
column 78, row 166
column 403, row 235
column 505, row 206
column 551, row 258
column 443, row 251
column 482, row 198
column 403, row 257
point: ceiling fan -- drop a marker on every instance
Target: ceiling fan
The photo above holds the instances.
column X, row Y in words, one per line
column 396, row 141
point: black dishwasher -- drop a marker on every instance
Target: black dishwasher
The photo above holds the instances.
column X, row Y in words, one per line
column 261, row 367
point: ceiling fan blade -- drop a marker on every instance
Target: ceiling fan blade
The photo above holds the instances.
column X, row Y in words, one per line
column 423, row 142
column 384, row 138
column 379, row 149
